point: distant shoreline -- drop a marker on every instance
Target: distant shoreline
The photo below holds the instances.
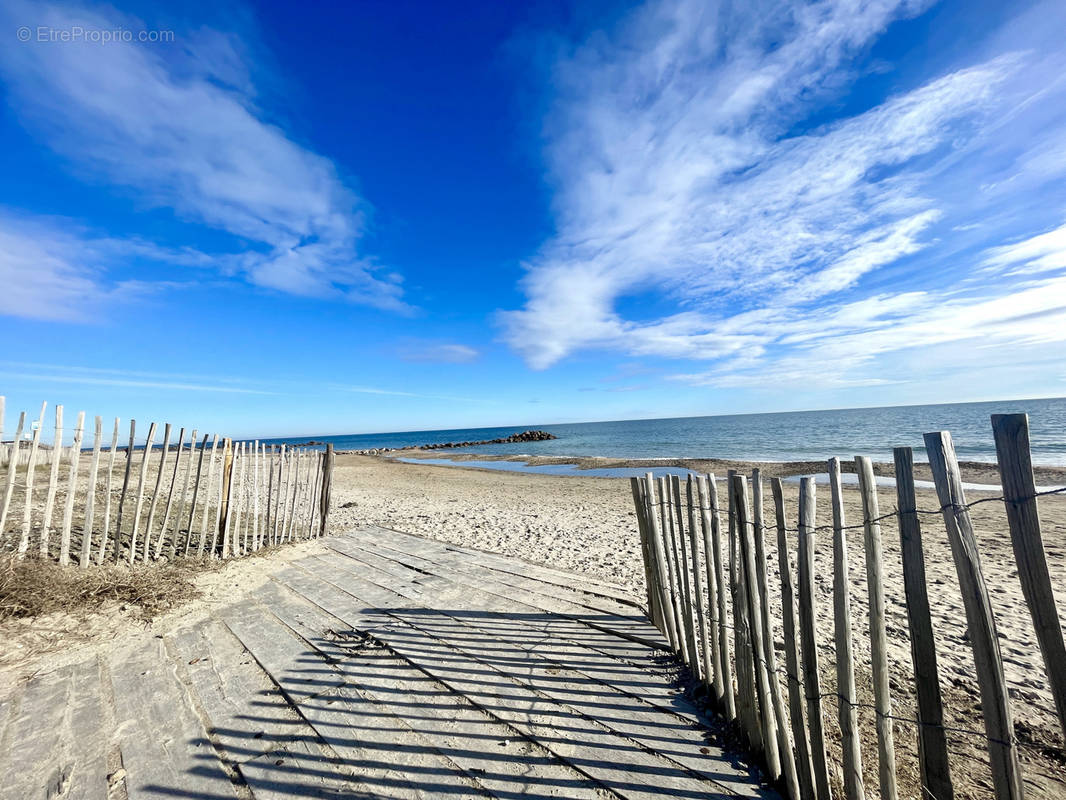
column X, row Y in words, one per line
column 972, row 471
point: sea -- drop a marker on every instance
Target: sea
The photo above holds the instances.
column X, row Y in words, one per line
column 785, row 436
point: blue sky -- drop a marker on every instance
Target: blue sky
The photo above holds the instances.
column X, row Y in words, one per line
column 353, row 217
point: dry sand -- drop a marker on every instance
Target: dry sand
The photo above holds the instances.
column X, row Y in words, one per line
column 587, row 525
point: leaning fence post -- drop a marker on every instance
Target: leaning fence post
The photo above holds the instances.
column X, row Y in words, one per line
column 848, row 712
column 756, row 635
column 140, row 492
column 995, row 704
column 170, row 496
column 31, row 470
column 125, row 487
column 662, row 581
column 784, row 745
column 804, row 770
column 155, row 492
column 327, row 488
column 640, row 511
column 812, row 685
column 697, row 582
column 713, row 564
column 932, row 739
column 723, row 599
column 1019, row 496
column 12, row 468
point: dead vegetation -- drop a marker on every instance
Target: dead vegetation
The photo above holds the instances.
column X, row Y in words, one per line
column 32, row 587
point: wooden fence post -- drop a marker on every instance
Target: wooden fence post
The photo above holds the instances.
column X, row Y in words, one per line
column 886, row 746
column 756, row 634
column 12, row 469
column 170, row 495
column 804, row 770
column 155, row 492
column 1023, row 515
column 90, row 497
column 216, row 529
column 713, row 562
column 666, row 525
column 140, row 492
column 31, row 470
column 326, row 497
column 677, row 536
column 72, row 486
column 662, row 568
column 784, row 744
column 812, row 685
column 204, row 520
column 195, row 490
column 640, row 506
column 697, row 582
column 1002, row 749
column 255, row 497
column 53, row 482
column 848, row 712
column 932, row 739
column 730, row 703
column 125, row 487
column 107, row 497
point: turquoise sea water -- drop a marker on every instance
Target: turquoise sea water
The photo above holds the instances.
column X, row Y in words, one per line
column 790, row 436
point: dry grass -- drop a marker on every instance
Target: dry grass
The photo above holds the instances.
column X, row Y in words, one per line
column 31, row 587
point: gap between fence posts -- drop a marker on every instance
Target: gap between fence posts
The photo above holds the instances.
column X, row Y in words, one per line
column 804, row 770
column 812, row 685
column 848, row 712
column 107, row 498
column 932, row 739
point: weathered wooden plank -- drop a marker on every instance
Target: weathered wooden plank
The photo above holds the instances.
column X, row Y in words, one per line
column 712, row 557
column 848, row 714
column 510, row 688
column 205, row 518
column 165, row 524
column 633, row 627
column 53, row 483
column 1023, row 515
column 142, row 475
column 72, row 487
column 165, row 749
column 155, row 493
column 57, row 747
column 90, row 497
column 12, row 471
column 784, row 742
column 812, row 686
column 697, row 583
column 729, row 697
column 495, row 754
column 767, row 720
column 980, row 622
column 804, row 770
column 108, row 487
column 383, row 757
column 31, row 468
column 125, row 488
column 932, row 739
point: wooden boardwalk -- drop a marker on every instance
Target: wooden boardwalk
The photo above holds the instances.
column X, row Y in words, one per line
column 386, row 665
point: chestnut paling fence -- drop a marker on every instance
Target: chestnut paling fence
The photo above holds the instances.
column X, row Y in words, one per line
column 162, row 499
column 709, row 593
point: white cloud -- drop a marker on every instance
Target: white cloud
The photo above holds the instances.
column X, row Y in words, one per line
column 687, row 174
column 178, row 125
column 1041, row 253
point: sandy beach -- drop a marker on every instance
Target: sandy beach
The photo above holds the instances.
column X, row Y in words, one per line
column 588, row 525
